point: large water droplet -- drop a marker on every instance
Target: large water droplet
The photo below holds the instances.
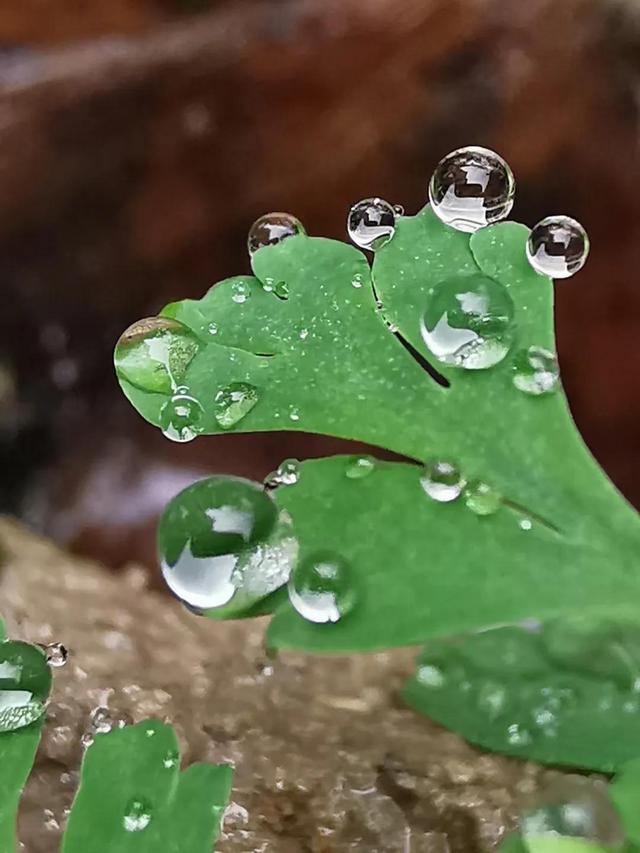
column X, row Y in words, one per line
column 180, row 416
column 359, row 467
column 469, row 322
column 286, row 474
column 320, row 588
column 223, row 543
column 56, row 654
column 153, row 354
column 137, row 816
column 558, row 246
column 273, row 228
column 233, row 402
column 481, row 498
column 371, row 223
column 472, row 187
column 442, row 480
column 574, row 807
column 25, row 682
column 535, row 371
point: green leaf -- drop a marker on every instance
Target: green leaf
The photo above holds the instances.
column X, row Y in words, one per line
column 132, row 796
column 545, row 695
column 324, row 360
column 625, row 794
column 549, row 844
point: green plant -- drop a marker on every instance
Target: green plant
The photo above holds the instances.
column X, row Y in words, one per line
column 132, row 795
column 317, row 341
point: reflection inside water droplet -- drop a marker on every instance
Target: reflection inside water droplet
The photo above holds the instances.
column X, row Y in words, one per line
column 56, row 654
column 25, row 681
column 442, row 480
column 320, row 588
column 286, row 474
column 233, row 402
column 469, row 322
column 558, row 246
column 271, row 229
column 371, row 223
column 536, row 371
column 180, row 417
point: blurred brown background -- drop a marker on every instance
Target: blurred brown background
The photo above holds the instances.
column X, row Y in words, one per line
column 140, row 138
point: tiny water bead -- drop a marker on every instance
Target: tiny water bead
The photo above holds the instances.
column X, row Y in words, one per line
column 442, row 481
column 536, row 371
column 273, row 228
column 469, row 322
column 321, row 589
column 286, row 474
column 25, row 684
column 137, row 816
column 360, row 466
column 180, row 416
column 371, row 223
column 102, row 721
column 222, row 541
column 233, row 402
column 153, row 354
column 558, row 246
column 240, row 292
column 56, row 654
column 472, row 187
column 481, row 498
column 574, row 807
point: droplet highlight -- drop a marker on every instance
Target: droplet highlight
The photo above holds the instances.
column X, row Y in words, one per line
column 359, row 467
column 481, row 498
column 472, row 187
column 558, row 246
column 371, row 223
column 137, row 816
column 271, row 229
column 536, row 371
column 154, row 354
column 442, row 481
column 469, row 322
column 320, row 588
column 56, row 654
column 181, row 416
column 286, row 474
column 233, row 402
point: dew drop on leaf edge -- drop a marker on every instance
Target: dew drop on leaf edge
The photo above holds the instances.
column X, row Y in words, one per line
column 321, row 589
column 558, row 247
column 271, row 229
column 442, row 481
column 471, row 187
column 536, row 371
column 181, row 416
column 286, row 474
column 25, row 682
column 371, row 223
column 359, row 467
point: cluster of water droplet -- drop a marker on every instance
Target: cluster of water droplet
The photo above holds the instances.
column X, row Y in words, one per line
column 443, row 482
column 102, row 721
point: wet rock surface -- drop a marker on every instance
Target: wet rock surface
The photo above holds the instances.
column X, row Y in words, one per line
column 326, row 756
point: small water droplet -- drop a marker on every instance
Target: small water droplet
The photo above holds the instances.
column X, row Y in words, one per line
column 223, row 543
column 320, row 588
column 492, row 699
column 469, row 322
column 304, row 333
column 442, row 480
column 153, row 354
column 233, row 402
column 268, row 284
column 431, row 676
column 518, row 735
column 371, row 223
column 273, row 228
column 525, row 524
column 294, row 414
column 286, row 474
column 240, row 292
column 472, row 187
column 359, row 467
column 281, row 290
column 481, row 498
column 558, row 246
column 180, row 417
column 137, row 816
column 56, row 654
column 357, row 280
column 102, row 721
column 171, row 759
column 212, row 328
column 398, row 209
column 536, row 371
column 573, row 807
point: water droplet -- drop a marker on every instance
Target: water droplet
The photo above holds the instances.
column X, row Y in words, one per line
column 223, row 543
column 137, row 816
column 398, row 209
column 472, row 187
column 431, row 676
column 518, row 735
column 357, row 280
column 573, row 807
column 180, row 416
column 481, row 498
column 359, row 467
column 492, row 699
column 558, row 246
column 536, row 371
column 171, row 759
column 304, row 333
column 212, row 328
column 442, row 481
column 153, row 354
column 56, row 654
column 546, row 720
column 294, row 414
column 240, row 292
column 525, row 524
column 286, row 474
column 281, row 290
column 320, row 588
column 25, row 682
column 273, row 228
column 233, row 402
column 469, row 322
column 102, row 721
column 371, row 223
